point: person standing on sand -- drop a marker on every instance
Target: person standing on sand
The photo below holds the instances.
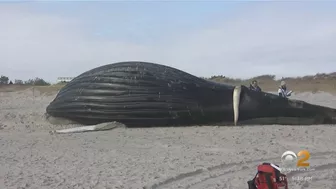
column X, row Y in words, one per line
column 254, row 86
column 282, row 91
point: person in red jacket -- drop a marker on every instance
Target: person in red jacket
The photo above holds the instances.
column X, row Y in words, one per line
column 268, row 176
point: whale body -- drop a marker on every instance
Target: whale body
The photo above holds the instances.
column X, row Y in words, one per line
column 143, row 94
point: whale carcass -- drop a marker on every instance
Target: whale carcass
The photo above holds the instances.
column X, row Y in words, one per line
column 142, row 94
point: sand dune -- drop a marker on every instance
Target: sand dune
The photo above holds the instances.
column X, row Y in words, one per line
column 191, row 157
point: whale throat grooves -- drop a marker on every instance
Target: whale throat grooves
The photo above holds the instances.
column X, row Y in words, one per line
column 236, row 101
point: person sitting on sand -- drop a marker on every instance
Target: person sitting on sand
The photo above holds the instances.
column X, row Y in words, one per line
column 282, row 91
column 254, row 86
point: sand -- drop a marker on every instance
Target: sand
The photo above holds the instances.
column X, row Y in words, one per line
column 207, row 157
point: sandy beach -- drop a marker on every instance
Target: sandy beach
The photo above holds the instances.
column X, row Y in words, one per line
column 207, row 157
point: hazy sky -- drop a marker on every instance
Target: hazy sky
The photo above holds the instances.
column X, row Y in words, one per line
column 236, row 39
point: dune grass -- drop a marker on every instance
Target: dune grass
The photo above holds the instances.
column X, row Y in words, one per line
column 50, row 89
column 314, row 83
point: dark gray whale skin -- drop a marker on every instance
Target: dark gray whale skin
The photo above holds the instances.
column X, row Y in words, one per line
column 142, row 94
column 265, row 105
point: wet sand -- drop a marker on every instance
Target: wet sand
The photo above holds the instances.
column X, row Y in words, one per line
column 187, row 157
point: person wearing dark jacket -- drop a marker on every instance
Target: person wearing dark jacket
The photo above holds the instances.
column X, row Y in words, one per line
column 254, row 86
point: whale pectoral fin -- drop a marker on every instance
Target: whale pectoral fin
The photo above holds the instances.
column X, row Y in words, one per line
column 236, row 102
column 98, row 127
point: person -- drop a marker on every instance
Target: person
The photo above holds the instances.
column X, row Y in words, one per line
column 268, row 176
column 282, row 91
column 254, row 86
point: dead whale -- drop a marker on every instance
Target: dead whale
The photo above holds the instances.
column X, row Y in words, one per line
column 142, row 94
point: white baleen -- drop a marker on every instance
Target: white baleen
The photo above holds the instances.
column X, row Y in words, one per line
column 236, row 101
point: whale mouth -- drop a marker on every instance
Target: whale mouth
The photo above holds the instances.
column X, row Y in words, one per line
column 236, row 102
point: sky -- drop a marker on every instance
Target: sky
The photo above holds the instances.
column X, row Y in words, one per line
column 240, row 39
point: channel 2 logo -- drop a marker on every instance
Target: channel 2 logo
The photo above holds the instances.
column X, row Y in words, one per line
column 300, row 159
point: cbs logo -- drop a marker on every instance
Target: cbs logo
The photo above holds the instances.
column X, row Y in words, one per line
column 290, row 158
